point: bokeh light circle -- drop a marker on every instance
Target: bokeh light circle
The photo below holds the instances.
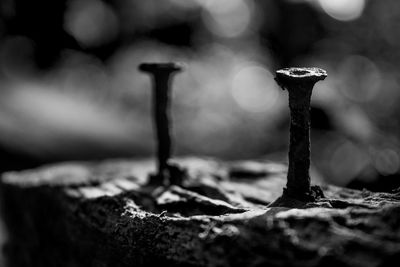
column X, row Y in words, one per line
column 254, row 89
column 387, row 161
column 91, row 22
column 227, row 18
column 343, row 10
column 360, row 78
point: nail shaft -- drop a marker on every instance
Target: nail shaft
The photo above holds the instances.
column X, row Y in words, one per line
column 161, row 107
column 298, row 179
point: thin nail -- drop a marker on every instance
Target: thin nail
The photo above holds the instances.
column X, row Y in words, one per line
column 161, row 74
column 299, row 83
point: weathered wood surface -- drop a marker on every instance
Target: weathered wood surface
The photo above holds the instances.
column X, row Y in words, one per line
column 85, row 214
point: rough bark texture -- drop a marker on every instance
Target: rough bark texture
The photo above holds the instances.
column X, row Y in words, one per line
column 81, row 214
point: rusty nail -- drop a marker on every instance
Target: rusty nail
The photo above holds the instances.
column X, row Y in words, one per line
column 299, row 83
column 161, row 76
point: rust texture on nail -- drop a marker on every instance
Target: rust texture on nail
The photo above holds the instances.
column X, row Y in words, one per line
column 299, row 83
column 162, row 74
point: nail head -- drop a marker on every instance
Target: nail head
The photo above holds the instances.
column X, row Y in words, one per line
column 160, row 67
column 295, row 74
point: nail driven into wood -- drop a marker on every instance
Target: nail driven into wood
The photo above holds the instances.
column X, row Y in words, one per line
column 162, row 75
column 299, row 83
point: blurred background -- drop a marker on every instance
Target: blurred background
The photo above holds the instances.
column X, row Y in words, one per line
column 70, row 89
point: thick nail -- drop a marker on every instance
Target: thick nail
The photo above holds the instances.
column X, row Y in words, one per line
column 299, row 83
column 161, row 74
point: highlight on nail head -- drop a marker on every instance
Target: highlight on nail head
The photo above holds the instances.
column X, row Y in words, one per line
column 300, row 74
